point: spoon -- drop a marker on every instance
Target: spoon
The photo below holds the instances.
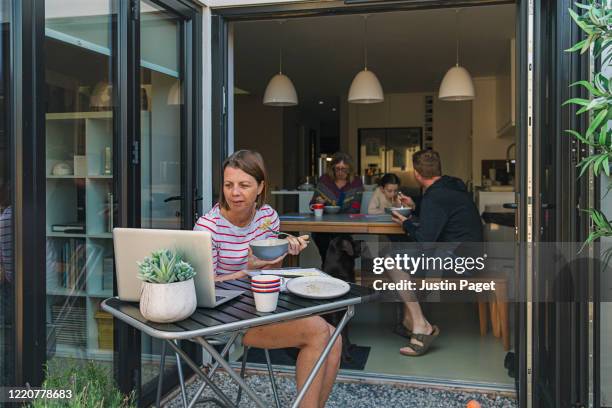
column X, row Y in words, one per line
column 282, row 235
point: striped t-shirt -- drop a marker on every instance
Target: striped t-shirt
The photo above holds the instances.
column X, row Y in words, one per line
column 6, row 243
column 230, row 244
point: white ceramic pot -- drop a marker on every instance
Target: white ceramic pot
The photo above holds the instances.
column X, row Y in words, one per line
column 167, row 302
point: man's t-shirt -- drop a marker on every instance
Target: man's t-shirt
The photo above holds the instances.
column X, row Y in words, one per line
column 446, row 213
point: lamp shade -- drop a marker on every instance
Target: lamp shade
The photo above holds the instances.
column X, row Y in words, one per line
column 456, row 85
column 174, row 94
column 102, row 96
column 365, row 88
column 280, row 92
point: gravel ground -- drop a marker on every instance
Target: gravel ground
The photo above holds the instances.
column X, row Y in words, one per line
column 346, row 395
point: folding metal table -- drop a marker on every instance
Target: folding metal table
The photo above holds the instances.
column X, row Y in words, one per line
column 235, row 317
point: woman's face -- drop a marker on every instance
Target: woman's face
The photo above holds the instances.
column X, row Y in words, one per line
column 390, row 191
column 240, row 189
column 341, row 170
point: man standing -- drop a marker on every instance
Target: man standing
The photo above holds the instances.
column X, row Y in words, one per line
column 446, row 213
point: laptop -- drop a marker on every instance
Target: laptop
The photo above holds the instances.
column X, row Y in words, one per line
column 132, row 245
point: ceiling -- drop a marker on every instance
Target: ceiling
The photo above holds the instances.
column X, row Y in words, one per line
column 409, row 51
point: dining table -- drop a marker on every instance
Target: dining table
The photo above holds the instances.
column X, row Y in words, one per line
column 340, row 223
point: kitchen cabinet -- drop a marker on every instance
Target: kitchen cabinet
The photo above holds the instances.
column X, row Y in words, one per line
column 506, row 96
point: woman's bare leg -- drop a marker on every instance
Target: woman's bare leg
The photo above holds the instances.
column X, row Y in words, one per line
column 331, row 369
column 310, row 335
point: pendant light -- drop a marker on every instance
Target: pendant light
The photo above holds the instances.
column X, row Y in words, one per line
column 457, row 84
column 365, row 87
column 280, row 90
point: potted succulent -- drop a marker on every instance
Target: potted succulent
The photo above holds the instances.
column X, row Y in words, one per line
column 168, row 291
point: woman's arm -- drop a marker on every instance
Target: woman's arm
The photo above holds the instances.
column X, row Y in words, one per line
column 374, row 206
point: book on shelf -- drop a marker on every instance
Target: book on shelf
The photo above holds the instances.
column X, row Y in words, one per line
column 69, row 228
column 71, row 265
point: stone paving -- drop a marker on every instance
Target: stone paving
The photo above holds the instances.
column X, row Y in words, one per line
column 362, row 395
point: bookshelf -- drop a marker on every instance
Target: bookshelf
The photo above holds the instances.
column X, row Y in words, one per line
column 79, row 266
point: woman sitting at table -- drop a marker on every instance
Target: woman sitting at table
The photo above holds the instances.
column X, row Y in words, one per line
column 339, row 188
column 241, row 216
column 386, row 195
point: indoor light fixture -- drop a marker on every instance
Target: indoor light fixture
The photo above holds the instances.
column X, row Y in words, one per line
column 365, row 87
column 280, row 90
column 174, row 94
column 457, row 84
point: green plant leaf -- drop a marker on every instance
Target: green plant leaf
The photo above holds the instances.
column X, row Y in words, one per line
column 582, row 6
column 577, row 101
column 577, row 46
column 589, row 86
column 596, row 122
column 603, row 133
column 578, row 136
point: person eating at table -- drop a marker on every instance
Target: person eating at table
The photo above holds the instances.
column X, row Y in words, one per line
column 339, row 187
column 386, row 195
column 242, row 216
column 446, row 213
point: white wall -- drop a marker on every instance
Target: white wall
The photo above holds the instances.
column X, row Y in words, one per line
column 259, row 127
column 452, row 130
column 485, row 143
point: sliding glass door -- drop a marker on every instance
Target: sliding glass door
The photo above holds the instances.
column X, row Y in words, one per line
column 161, row 138
column 166, row 162
column 79, row 168
column 6, row 203
column 119, row 152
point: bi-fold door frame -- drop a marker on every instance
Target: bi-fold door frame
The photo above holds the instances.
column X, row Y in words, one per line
column 539, row 29
column 127, row 359
column 27, row 121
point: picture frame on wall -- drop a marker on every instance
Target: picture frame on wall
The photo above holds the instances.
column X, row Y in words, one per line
column 372, row 146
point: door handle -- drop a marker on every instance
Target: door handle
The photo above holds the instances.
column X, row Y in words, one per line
column 514, row 206
column 173, row 198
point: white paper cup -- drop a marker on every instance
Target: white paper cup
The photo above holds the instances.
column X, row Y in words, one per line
column 266, row 302
column 318, row 212
column 265, row 279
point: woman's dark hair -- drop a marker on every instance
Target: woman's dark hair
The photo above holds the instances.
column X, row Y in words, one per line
column 389, row 178
column 252, row 164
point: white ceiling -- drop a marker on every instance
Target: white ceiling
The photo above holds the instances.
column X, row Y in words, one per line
column 409, row 51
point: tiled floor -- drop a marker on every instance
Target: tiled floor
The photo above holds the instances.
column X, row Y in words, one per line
column 459, row 353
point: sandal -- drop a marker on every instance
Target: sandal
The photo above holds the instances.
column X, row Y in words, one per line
column 425, row 339
column 401, row 330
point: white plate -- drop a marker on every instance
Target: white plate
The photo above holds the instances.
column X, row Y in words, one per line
column 287, row 272
column 318, row 287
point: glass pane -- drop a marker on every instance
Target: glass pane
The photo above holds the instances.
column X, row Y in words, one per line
column 79, row 171
column 401, row 145
column 371, row 154
column 160, row 135
column 6, row 200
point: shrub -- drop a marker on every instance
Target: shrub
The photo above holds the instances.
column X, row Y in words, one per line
column 91, row 383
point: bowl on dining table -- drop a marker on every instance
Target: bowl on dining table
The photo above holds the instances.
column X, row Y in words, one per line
column 405, row 211
column 269, row 249
column 331, row 209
